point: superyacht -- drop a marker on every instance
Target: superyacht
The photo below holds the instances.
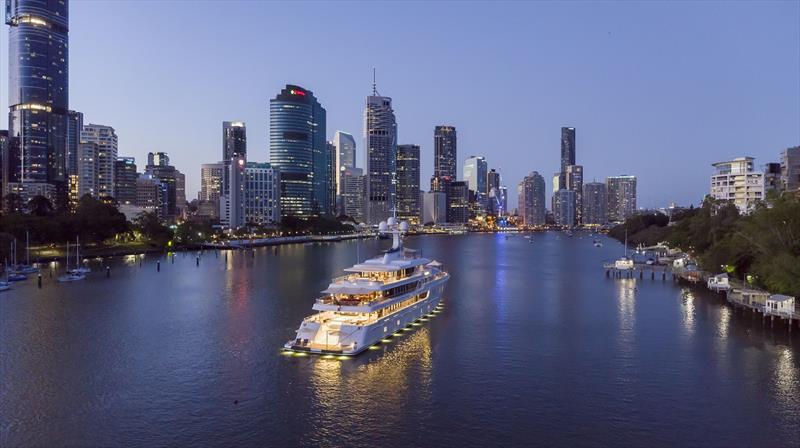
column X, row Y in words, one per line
column 372, row 300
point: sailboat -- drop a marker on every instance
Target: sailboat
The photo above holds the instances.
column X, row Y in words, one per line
column 27, row 268
column 12, row 275
column 4, row 284
column 624, row 263
column 71, row 276
column 78, row 268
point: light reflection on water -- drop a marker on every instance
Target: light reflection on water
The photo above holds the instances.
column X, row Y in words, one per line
column 534, row 344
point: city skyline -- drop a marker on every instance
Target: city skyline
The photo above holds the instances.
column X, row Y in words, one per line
column 684, row 101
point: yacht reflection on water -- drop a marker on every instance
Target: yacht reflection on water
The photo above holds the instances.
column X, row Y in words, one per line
column 373, row 300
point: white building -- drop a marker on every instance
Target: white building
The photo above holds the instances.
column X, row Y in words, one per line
column 261, row 194
column 106, row 140
column 621, row 197
column 736, row 181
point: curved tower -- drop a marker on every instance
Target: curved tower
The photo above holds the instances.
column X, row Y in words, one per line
column 38, row 97
column 298, row 150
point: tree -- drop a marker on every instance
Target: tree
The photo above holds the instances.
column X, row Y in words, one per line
column 150, row 226
column 40, row 206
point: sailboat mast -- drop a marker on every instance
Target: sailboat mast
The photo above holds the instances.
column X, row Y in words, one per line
column 27, row 248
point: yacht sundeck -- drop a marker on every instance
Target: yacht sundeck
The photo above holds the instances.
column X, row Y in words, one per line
column 372, row 300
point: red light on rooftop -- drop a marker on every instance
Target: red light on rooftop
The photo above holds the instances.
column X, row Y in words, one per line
column 297, row 92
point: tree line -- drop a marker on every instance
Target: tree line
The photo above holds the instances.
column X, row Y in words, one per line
column 763, row 246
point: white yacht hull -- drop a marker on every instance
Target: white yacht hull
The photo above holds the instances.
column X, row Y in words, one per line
column 350, row 340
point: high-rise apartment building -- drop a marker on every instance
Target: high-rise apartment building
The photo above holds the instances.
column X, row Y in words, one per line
column 231, row 205
column 106, row 140
column 88, row 169
column 445, row 154
column 531, row 194
column 594, row 203
column 38, row 99
column 261, row 201
column 74, row 129
column 151, row 195
column 408, row 179
column 330, row 176
column 790, row 169
column 574, row 180
column 299, row 151
column 380, row 151
column 564, row 207
column 125, row 176
column 621, row 197
column 737, row 181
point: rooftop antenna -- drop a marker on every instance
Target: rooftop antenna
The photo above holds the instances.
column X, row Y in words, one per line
column 374, row 84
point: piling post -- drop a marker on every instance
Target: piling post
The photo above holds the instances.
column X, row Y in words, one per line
column 108, row 271
column 158, row 266
column 197, row 261
column 641, row 274
column 173, row 258
column 39, row 280
column 607, row 273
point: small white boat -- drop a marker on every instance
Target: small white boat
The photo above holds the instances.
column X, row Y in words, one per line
column 78, row 268
column 71, row 277
column 624, row 263
column 26, row 268
column 4, row 286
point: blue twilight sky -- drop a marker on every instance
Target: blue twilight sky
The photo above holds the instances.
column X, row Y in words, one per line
column 659, row 90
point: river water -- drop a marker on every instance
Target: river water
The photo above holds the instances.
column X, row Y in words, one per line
column 535, row 346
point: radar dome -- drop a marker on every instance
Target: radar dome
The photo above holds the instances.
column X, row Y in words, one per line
column 392, row 221
column 383, row 227
column 404, row 226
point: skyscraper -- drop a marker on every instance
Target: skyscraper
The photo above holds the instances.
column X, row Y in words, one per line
column 445, row 153
column 621, row 196
column 106, row 140
column 408, row 206
column 38, row 97
column 125, row 176
column 74, row 129
column 180, row 192
column 158, row 168
column 574, row 179
column 532, row 199
column 475, row 175
column 231, row 205
column 380, row 143
column 457, row 202
column 345, row 154
column 492, row 180
column 298, row 150
column 594, row 203
column 331, row 175
column 564, row 207
column 567, row 153
column 234, row 145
